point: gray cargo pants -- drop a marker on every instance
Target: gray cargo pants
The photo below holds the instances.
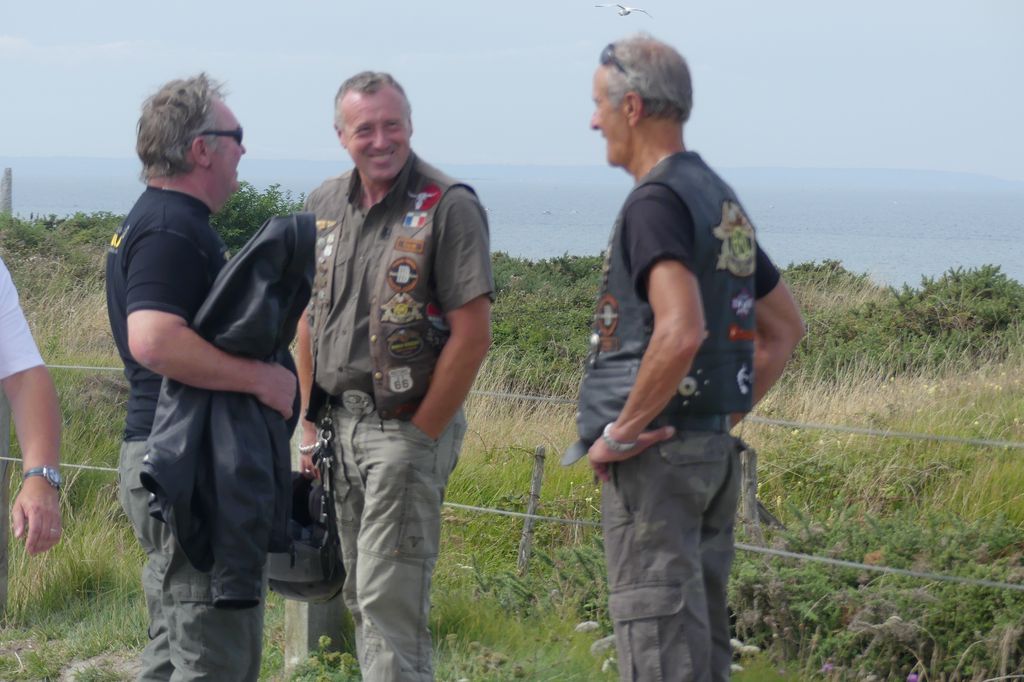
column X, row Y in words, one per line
column 390, row 484
column 668, row 517
column 189, row 639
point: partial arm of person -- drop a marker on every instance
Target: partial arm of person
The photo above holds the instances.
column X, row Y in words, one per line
column 35, row 514
column 165, row 344
column 304, row 366
column 457, row 365
column 674, row 296
column 778, row 329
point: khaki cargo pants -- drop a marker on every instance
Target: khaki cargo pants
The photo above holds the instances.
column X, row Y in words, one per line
column 390, row 481
column 668, row 517
column 189, row 639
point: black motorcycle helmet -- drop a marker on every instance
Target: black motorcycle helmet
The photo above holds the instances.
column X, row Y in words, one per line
column 312, row 570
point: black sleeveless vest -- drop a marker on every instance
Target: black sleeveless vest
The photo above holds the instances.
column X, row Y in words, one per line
column 720, row 381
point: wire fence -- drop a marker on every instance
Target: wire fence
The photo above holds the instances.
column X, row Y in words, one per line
column 757, row 549
column 768, row 551
column 767, row 421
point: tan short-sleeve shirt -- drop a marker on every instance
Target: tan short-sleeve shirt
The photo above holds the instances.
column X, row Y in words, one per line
column 461, row 271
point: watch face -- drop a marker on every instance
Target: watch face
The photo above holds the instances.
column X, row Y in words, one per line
column 50, row 474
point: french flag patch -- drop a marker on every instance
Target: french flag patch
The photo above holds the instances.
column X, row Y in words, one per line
column 415, row 219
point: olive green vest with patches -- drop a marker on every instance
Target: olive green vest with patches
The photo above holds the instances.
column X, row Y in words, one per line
column 408, row 329
column 720, row 380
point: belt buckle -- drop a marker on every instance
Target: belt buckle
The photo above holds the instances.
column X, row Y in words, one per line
column 357, row 403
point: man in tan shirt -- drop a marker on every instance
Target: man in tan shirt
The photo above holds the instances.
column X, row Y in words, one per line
column 398, row 326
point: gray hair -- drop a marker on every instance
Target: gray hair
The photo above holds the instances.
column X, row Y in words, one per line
column 367, row 82
column 653, row 70
column 171, row 119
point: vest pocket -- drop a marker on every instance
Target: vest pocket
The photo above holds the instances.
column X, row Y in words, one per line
column 602, row 396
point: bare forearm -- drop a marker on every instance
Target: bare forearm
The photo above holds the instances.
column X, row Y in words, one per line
column 677, row 335
column 664, row 364
column 778, row 330
column 457, row 366
column 189, row 359
column 36, row 412
column 304, row 367
column 454, row 374
column 164, row 344
column 769, row 361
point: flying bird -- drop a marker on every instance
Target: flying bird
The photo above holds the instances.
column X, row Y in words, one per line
column 624, row 10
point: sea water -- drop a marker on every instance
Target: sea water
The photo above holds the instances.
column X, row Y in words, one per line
column 895, row 227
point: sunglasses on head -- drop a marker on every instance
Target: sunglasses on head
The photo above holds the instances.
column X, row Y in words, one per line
column 236, row 133
column 608, row 58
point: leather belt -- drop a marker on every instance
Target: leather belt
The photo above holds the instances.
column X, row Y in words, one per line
column 359, row 403
column 718, row 423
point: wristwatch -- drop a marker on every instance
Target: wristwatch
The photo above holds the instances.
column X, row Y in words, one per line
column 615, row 445
column 51, row 474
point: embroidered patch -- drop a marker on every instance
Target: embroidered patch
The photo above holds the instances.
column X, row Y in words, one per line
column 415, row 219
column 436, row 338
column 401, row 309
column 436, row 317
column 738, row 333
column 403, row 275
column 425, row 199
column 739, row 249
column 409, row 245
column 400, row 379
column 742, row 304
column 744, row 380
column 607, row 315
column 325, row 224
column 404, row 343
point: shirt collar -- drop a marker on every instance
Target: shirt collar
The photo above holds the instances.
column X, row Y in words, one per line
column 392, row 197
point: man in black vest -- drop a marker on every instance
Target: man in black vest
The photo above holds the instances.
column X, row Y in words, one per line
column 692, row 327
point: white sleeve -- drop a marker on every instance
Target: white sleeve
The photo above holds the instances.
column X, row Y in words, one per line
column 18, row 350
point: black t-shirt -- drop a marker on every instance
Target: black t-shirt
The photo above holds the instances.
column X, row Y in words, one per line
column 658, row 225
column 164, row 257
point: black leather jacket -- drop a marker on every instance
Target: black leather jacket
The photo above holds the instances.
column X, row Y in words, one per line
column 218, row 463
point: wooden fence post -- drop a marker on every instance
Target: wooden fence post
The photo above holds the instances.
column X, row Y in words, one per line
column 526, row 542
column 5, row 193
column 748, row 491
column 305, row 623
column 5, row 502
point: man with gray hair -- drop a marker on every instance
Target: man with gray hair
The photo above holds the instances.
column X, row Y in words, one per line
column 161, row 264
column 693, row 325
column 398, row 325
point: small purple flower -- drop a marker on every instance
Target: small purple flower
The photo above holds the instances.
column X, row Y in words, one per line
column 912, row 677
column 827, row 668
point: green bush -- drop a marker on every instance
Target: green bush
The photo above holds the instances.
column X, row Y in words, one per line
column 74, row 243
column 542, row 315
column 248, row 209
column 828, row 272
column 863, row 622
column 963, row 318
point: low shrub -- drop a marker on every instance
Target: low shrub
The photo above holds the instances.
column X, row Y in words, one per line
column 854, row 623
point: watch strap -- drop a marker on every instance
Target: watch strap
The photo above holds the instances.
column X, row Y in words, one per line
column 50, row 474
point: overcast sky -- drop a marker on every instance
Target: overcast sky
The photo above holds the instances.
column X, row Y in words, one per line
column 919, row 84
